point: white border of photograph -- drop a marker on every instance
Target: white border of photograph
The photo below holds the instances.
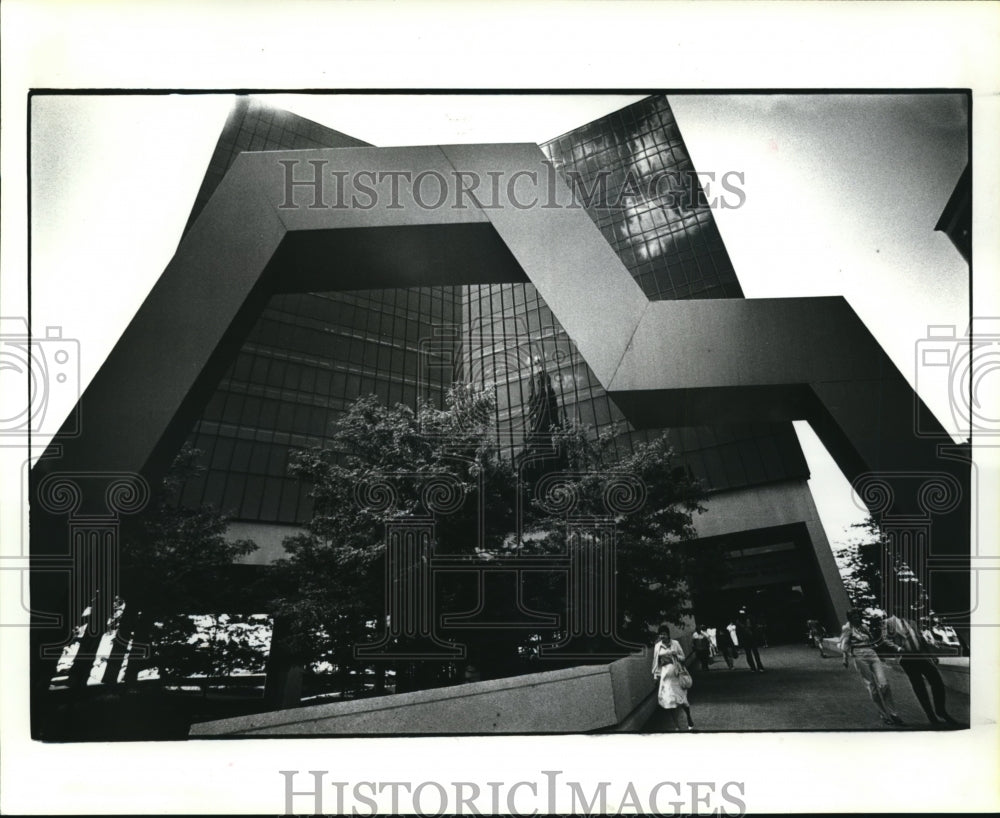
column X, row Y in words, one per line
column 621, row 46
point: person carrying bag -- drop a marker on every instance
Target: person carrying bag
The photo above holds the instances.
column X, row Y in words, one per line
column 672, row 676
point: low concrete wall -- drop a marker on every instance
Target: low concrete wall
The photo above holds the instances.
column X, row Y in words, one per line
column 955, row 673
column 617, row 696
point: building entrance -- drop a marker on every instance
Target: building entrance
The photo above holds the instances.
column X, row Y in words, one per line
column 771, row 574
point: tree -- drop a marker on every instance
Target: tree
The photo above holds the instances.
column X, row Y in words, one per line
column 174, row 559
column 862, row 572
column 875, row 575
column 332, row 582
column 655, row 567
column 209, row 645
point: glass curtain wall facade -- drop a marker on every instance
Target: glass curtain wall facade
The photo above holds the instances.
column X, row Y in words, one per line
column 632, row 173
column 306, row 359
column 308, row 356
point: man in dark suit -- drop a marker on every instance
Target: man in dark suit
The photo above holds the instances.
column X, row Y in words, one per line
column 748, row 640
column 918, row 662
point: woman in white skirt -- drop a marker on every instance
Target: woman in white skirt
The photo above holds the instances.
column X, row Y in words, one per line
column 668, row 656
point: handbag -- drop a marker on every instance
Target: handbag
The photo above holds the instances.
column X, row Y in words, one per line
column 684, row 677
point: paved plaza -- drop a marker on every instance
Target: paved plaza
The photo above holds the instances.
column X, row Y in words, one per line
column 797, row 691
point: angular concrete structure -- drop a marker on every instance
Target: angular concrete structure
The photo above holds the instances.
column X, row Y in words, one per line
column 617, row 697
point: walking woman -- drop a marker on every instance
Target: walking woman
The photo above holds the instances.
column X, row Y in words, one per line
column 668, row 660
column 856, row 640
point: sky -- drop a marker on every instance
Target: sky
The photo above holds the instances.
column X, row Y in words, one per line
column 842, row 195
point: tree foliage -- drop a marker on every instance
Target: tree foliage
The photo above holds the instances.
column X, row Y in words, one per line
column 862, row 572
column 653, row 566
column 174, row 557
column 175, row 560
column 209, row 645
column 377, row 471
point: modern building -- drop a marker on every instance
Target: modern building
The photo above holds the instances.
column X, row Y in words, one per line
column 279, row 314
column 309, row 355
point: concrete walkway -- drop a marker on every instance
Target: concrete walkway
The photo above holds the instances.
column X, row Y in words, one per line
column 797, row 691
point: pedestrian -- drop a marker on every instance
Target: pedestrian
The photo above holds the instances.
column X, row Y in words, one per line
column 726, row 646
column 858, row 642
column 668, row 671
column 701, row 644
column 731, row 627
column 918, row 662
column 748, row 639
column 816, row 634
column 925, row 631
column 946, row 636
column 713, row 641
